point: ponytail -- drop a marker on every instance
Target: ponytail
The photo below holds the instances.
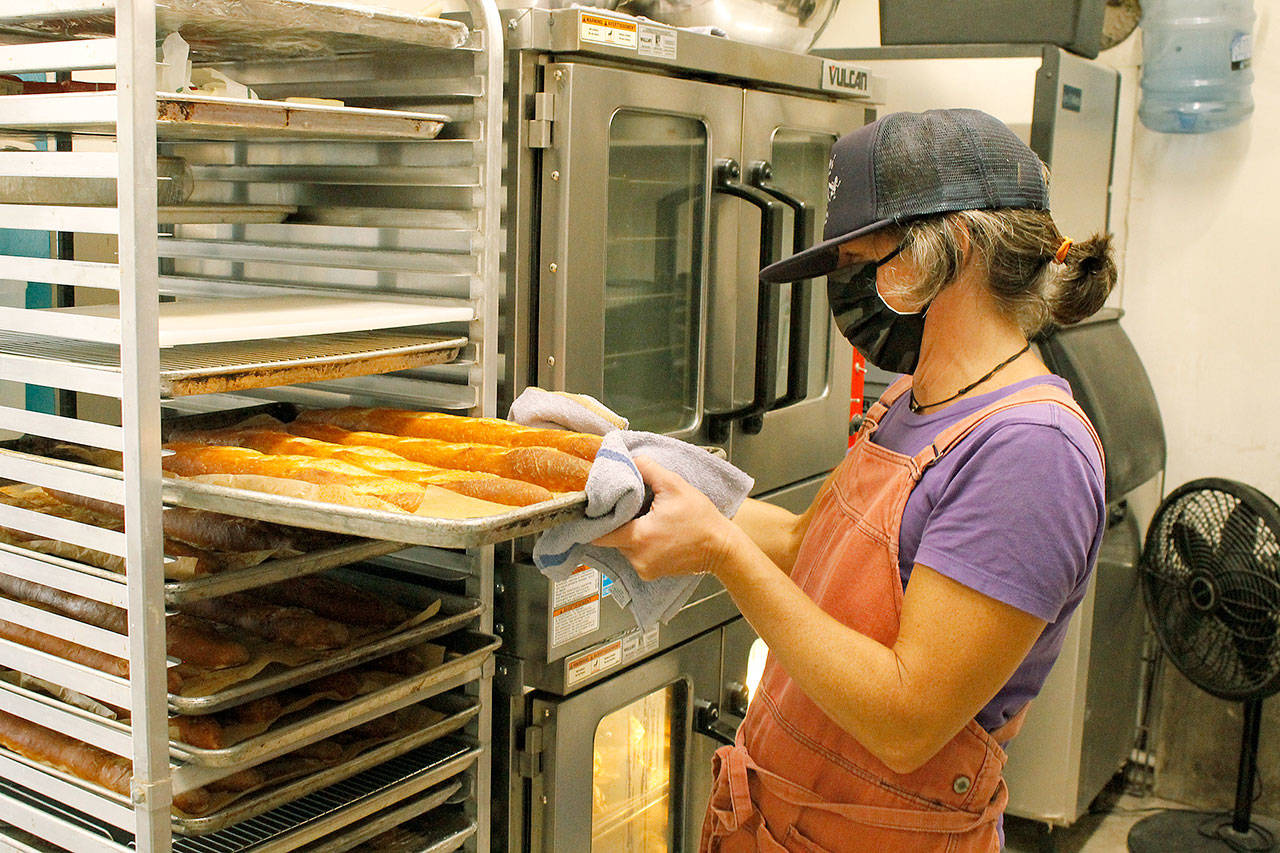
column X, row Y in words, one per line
column 1079, row 285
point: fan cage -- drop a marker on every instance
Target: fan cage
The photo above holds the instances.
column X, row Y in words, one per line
column 1211, row 582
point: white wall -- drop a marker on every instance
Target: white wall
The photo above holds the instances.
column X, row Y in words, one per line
column 1202, row 265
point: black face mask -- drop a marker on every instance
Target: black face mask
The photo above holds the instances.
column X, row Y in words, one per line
column 886, row 339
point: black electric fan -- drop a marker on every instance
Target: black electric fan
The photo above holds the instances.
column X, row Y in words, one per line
column 1211, row 582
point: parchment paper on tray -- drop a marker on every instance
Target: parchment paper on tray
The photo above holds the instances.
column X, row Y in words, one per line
column 197, row 681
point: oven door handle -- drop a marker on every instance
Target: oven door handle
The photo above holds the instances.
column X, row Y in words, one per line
column 760, row 176
column 765, row 394
column 706, row 721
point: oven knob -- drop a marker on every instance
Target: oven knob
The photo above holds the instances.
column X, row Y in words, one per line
column 738, row 698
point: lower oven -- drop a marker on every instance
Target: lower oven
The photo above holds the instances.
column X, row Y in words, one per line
column 625, row 764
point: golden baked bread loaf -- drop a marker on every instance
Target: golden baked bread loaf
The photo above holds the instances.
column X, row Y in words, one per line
column 552, row 469
column 456, row 429
column 375, row 460
column 324, row 480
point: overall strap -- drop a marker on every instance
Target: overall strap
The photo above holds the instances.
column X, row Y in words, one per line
column 900, row 386
column 954, row 434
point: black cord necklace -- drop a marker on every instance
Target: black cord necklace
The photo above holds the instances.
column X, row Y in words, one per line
column 917, row 408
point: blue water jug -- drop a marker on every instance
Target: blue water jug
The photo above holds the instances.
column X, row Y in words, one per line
column 1196, row 57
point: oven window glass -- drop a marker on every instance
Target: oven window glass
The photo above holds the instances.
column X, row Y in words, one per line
column 631, row 792
column 799, row 159
column 654, row 268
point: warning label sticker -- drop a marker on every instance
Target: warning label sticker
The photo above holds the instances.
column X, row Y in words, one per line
column 630, row 646
column 611, row 31
column 587, row 664
column 575, row 605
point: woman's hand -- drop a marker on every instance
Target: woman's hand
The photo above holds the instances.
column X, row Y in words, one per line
column 682, row 533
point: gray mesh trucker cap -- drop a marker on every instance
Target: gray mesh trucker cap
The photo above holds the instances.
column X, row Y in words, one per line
column 906, row 165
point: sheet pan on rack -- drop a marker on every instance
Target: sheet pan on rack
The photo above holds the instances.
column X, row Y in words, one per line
column 257, row 29
column 315, row 814
column 455, row 613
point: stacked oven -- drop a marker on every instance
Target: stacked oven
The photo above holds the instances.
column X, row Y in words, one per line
column 651, row 173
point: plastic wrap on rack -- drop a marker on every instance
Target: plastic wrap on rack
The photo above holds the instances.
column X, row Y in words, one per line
column 256, row 29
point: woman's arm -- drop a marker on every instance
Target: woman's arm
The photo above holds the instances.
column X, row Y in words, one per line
column 775, row 531
column 955, row 647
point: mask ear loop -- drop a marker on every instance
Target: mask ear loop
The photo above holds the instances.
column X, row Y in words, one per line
column 876, row 282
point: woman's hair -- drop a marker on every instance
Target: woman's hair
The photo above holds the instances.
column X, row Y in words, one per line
column 1017, row 248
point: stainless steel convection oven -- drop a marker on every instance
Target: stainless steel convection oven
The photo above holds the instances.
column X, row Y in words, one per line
column 651, row 173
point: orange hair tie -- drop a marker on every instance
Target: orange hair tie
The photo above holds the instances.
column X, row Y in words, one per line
column 1061, row 254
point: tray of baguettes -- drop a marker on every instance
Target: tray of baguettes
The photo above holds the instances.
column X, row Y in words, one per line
column 420, row 478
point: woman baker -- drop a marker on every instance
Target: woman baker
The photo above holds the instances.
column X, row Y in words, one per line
column 915, row 609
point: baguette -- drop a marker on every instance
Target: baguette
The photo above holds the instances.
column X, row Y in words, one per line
column 543, row 466
column 292, row 625
column 376, row 460
column 186, row 640
column 456, row 428
column 191, row 460
column 335, row 600
column 213, row 531
column 75, row 652
column 203, row 732
column 208, row 531
column 264, row 710
column 82, row 760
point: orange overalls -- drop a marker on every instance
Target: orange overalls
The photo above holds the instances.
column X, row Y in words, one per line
column 795, row 781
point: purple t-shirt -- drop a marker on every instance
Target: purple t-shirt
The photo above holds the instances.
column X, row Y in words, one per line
column 1015, row 511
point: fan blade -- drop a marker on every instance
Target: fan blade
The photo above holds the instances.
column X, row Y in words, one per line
column 1193, row 548
column 1239, row 532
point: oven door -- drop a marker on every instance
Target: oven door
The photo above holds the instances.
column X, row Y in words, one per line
column 786, row 148
column 622, row 768
column 631, row 230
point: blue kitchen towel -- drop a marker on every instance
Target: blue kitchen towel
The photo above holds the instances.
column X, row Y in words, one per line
column 615, row 495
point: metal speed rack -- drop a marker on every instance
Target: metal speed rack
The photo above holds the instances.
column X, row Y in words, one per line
column 367, row 164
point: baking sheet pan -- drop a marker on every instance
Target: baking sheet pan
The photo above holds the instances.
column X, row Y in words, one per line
column 223, row 214
column 209, row 321
column 208, row 117
column 360, row 796
column 449, row 828
column 260, row 29
column 374, row 524
column 254, row 805
column 236, row 580
column 454, row 613
column 365, row 792
column 238, row 365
